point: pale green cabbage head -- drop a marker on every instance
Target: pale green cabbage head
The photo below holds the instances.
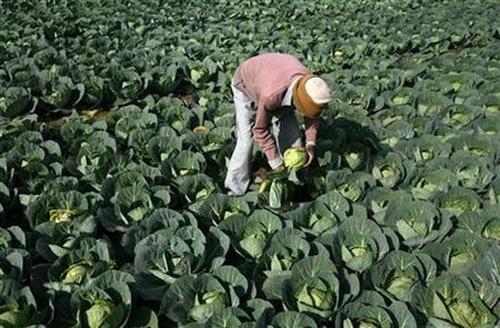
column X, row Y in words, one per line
column 492, row 229
column 295, row 158
column 11, row 316
column 98, row 314
column 75, row 273
column 319, row 298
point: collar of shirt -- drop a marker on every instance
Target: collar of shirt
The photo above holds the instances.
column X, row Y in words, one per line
column 287, row 99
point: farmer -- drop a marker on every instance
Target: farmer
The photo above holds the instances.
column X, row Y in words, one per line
column 266, row 89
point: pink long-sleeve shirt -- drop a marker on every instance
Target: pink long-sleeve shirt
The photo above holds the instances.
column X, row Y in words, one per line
column 265, row 79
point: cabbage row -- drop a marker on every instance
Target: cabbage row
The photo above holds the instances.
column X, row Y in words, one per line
column 116, row 125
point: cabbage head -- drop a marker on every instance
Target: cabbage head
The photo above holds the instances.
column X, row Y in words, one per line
column 11, row 316
column 76, row 273
column 316, row 295
column 314, row 287
column 452, row 298
column 97, row 315
column 295, row 158
column 371, row 311
column 492, row 229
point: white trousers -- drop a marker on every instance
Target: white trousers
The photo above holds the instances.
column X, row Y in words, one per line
column 285, row 129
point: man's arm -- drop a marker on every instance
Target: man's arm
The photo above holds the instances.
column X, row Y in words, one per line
column 311, row 131
column 261, row 133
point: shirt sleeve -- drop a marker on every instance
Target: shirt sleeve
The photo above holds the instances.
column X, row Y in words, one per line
column 311, row 131
column 261, row 130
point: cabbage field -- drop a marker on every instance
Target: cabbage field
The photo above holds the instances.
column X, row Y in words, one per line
column 117, row 123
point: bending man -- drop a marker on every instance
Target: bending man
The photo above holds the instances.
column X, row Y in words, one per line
column 266, row 90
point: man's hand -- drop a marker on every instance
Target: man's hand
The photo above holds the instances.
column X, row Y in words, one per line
column 279, row 169
column 311, row 153
column 262, row 174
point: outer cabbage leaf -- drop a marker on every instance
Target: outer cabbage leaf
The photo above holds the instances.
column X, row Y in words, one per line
column 417, row 222
column 399, row 273
column 452, row 299
column 371, row 310
column 191, row 299
column 358, row 243
column 459, row 200
column 316, row 288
